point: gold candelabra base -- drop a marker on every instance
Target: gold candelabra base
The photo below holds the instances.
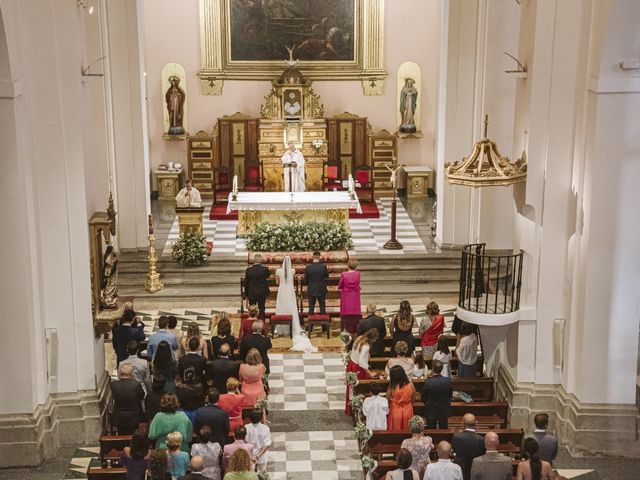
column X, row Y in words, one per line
column 153, row 283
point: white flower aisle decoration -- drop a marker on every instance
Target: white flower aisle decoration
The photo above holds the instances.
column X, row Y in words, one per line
column 295, row 236
column 190, row 250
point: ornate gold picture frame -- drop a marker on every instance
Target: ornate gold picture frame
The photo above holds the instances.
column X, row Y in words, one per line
column 358, row 54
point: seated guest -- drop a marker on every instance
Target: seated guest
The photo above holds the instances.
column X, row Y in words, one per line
column 251, row 374
column 127, row 401
column 404, row 470
column 139, row 366
column 420, row 369
column 492, row 465
column 467, row 352
column 223, row 337
column 258, row 341
column 443, row 354
column 374, row 321
column 158, row 465
column 190, row 394
column 128, row 328
column 419, row 445
column 533, row 467
column 223, row 368
column 359, row 362
column 402, row 359
column 168, row 420
column 240, row 467
column 259, row 435
column 173, row 328
column 197, row 468
column 178, row 460
column 444, row 468
column 165, row 365
column 376, row 408
column 152, row 400
column 400, row 395
column 193, row 331
column 468, row 445
column 436, row 396
column 232, row 403
column 547, row 442
column 239, row 435
column 402, row 327
column 349, row 288
column 163, row 334
column 430, row 329
column 212, row 416
column 134, row 457
column 209, row 451
column 193, row 360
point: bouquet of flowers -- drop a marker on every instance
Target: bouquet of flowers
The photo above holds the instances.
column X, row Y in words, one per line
column 190, row 250
column 296, row 236
column 352, row 379
column 356, row 402
column 361, row 433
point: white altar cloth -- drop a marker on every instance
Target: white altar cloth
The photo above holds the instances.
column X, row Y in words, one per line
column 301, row 201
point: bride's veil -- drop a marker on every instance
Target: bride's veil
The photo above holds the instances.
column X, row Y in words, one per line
column 286, row 266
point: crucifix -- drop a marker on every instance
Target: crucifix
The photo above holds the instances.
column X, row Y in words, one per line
column 393, row 243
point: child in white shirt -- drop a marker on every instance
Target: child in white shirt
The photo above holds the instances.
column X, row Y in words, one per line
column 376, row 408
column 260, row 436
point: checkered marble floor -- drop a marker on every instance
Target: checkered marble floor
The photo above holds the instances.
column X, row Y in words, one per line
column 369, row 235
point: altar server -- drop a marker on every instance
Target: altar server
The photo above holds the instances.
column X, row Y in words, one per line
column 293, row 156
column 188, row 196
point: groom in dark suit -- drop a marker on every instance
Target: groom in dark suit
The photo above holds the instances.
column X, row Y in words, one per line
column 315, row 277
column 256, row 284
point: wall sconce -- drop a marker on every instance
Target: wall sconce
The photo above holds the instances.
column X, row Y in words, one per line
column 87, row 8
column 85, row 71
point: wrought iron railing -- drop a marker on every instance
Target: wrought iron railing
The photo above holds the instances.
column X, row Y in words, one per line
column 490, row 282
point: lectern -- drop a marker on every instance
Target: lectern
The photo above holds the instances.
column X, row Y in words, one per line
column 190, row 219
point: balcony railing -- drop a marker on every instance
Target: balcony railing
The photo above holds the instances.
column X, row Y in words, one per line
column 490, row 282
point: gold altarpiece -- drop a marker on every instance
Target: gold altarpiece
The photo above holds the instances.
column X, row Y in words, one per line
column 292, row 112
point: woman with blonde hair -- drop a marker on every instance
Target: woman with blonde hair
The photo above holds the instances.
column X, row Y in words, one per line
column 232, row 402
column 178, row 460
column 193, row 330
column 419, row 445
column 402, row 327
column 403, row 359
column 431, row 327
column 251, row 375
column 240, row 467
column 359, row 361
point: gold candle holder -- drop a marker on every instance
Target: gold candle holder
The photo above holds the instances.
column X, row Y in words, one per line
column 153, row 283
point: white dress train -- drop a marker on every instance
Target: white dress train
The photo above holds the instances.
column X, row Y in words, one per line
column 286, row 305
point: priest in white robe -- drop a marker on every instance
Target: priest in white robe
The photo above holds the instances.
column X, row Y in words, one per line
column 293, row 156
column 189, row 196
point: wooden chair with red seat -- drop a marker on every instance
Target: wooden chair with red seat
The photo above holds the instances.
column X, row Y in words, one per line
column 364, row 183
column 331, row 176
column 221, row 184
column 254, row 178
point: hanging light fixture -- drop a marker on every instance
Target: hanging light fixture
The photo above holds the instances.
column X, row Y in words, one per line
column 485, row 167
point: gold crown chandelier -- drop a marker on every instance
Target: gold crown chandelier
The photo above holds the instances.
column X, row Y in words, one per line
column 485, row 167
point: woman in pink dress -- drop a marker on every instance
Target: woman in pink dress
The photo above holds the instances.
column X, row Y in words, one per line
column 251, row 374
column 350, row 310
column 232, row 403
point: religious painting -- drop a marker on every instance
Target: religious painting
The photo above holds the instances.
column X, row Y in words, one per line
column 328, row 39
column 317, row 30
column 174, row 93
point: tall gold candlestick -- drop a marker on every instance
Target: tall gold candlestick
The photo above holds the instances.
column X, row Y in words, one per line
column 153, row 283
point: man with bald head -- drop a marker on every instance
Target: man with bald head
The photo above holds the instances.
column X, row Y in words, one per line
column 492, row 465
column 444, row 468
column 127, row 396
column 223, row 368
column 196, row 466
column 467, row 445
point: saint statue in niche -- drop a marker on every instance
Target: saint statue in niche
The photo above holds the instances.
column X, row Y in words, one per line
column 175, row 98
column 109, row 279
column 408, row 102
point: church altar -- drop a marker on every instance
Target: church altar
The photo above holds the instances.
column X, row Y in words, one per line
column 279, row 207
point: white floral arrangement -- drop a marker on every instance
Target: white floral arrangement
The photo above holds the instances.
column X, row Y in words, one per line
column 352, row 379
column 362, row 434
column 356, row 402
column 296, row 236
column 190, row 250
column 262, row 404
column 263, row 475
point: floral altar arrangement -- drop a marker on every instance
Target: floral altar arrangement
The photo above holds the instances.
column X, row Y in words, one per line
column 190, row 250
column 296, row 236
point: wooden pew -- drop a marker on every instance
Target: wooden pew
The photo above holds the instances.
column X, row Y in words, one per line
column 379, row 363
column 480, row 389
column 112, row 445
column 385, row 466
column 113, row 473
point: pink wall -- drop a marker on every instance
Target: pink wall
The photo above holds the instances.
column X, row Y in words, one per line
column 172, row 35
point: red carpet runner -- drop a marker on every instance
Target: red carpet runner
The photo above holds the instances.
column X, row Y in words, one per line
column 219, row 212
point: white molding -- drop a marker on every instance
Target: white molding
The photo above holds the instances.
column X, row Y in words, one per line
column 488, row 319
column 613, row 84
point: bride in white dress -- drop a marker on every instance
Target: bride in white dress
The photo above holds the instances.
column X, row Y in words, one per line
column 286, row 304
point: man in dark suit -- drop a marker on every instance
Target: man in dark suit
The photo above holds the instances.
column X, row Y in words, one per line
column 192, row 360
column 256, row 284
column 374, row 321
column 492, row 465
column 258, row 341
column 223, row 368
column 127, row 397
column 196, row 466
column 547, row 443
column 467, row 445
column 315, row 277
column 436, row 396
column 214, row 417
